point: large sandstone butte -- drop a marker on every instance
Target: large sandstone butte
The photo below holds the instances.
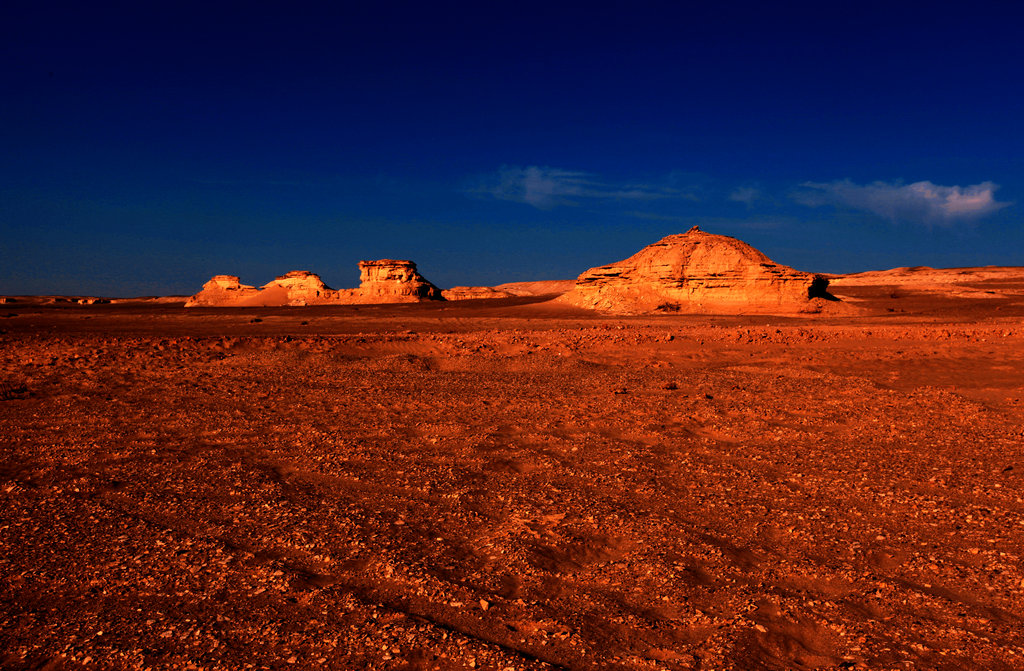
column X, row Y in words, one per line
column 381, row 281
column 698, row 272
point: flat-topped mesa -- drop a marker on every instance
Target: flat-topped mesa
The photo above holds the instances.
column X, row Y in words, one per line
column 697, row 272
column 221, row 290
column 394, row 281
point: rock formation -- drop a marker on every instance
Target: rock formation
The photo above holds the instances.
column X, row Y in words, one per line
column 697, row 272
column 222, row 290
column 297, row 287
column 383, row 281
column 394, row 281
column 300, row 282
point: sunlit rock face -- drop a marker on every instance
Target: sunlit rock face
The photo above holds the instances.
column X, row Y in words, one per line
column 382, row 281
column 696, row 272
column 301, row 287
column 394, row 281
column 222, row 290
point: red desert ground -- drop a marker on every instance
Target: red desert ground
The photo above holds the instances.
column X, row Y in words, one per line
column 694, row 458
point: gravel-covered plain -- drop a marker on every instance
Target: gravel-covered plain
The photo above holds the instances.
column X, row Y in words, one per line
column 503, row 486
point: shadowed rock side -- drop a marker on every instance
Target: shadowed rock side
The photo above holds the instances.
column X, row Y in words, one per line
column 381, row 281
column 698, row 272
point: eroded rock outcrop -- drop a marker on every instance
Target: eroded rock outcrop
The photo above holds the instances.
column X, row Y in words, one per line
column 697, row 272
column 394, row 281
column 381, row 281
column 297, row 287
column 222, row 290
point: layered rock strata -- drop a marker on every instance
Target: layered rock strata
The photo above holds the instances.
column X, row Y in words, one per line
column 381, row 281
column 394, row 282
column 697, row 272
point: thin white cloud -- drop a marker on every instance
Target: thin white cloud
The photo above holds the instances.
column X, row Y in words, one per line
column 545, row 187
column 920, row 202
column 746, row 195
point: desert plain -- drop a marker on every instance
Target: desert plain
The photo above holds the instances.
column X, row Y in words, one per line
column 517, row 483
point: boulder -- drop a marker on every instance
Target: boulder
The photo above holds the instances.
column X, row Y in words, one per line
column 697, row 272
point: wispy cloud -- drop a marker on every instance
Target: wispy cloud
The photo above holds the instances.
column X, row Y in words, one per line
column 920, row 202
column 545, row 187
column 746, row 195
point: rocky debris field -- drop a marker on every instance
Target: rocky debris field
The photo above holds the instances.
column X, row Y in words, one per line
column 510, row 489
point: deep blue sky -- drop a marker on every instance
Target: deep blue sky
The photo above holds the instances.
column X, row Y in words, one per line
column 147, row 146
